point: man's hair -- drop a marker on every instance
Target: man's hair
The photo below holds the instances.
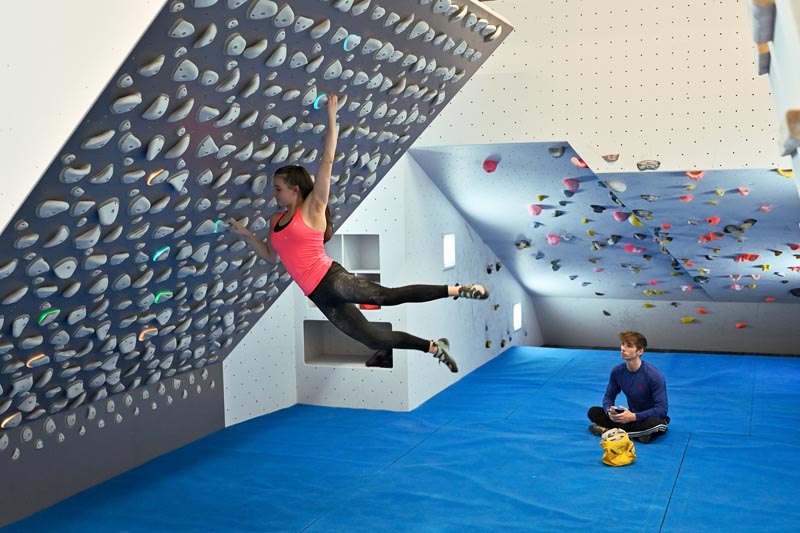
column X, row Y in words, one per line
column 635, row 338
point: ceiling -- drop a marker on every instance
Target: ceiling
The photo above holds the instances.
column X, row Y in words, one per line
column 720, row 235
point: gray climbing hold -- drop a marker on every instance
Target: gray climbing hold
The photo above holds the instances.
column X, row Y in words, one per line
column 181, row 29
column 51, row 208
column 255, row 49
column 185, row 71
column 235, row 44
column 207, row 37
column 284, row 17
column 252, row 86
column 98, row 141
column 179, row 148
column 182, row 111
column 249, row 120
column 206, row 113
column 419, row 28
column 178, row 180
column 157, row 108
column 231, row 82
column 128, row 143
column 126, row 103
column 139, row 205
column 277, row 57
column 103, row 176
column 88, row 238
column 153, row 67
column 74, row 174
column 207, row 147
column 39, row 266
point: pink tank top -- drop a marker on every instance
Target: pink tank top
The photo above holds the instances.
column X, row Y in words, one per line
column 302, row 252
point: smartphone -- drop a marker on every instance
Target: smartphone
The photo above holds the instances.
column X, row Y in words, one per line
column 618, row 409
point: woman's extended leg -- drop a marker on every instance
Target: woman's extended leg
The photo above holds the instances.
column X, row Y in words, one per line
column 350, row 321
column 351, row 288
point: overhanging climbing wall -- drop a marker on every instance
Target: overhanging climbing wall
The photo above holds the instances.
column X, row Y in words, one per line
column 116, row 272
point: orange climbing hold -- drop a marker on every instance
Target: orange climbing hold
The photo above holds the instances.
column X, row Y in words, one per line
column 701, row 311
column 741, row 325
column 695, row 175
column 713, row 221
column 769, row 299
column 578, row 162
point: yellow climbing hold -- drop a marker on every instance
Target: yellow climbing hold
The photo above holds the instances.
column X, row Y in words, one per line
column 687, row 319
column 691, row 187
column 635, row 221
column 720, row 192
column 751, row 286
column 785, row 172
column 764, row 268
column 585, row 220
column 542, row 197
column 713, row 202
column 590, row 233
column 653, row 292
column 703, row 271
column 647, row 305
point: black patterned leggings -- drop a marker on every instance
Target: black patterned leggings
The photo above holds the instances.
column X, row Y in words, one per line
column 339, row 290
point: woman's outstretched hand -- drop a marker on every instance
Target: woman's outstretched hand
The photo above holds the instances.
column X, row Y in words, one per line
column 237, row 227
column 333, row 107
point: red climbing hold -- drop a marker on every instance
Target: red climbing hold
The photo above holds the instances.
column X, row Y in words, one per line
column 695, row 175
column 578, row 162
column 490, row 165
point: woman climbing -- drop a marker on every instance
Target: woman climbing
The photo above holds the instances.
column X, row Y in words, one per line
column 297, row 236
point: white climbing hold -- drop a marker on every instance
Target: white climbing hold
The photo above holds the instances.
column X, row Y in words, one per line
column 255, row 49
column 298, row 60
column 207, row 37
column 125, row 103
column 181, row 29
column 235, row 45
column 182, row 111
column 262, row 9
column 51, row 208
column 284, row 17
column 108, row 211
column 277, row 57
column 98, row 141
column 61, row 235
column 179, row 148
column 128, row 143
column 185, row 71
column 151, row 69
column 320, row 29
column 207, row 147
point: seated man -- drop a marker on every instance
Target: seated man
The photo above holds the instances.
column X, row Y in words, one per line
column 646, row 415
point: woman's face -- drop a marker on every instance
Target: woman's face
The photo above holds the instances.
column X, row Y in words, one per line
column 284, row 195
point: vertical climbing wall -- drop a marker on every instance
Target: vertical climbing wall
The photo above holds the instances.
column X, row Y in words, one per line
column 117, row 272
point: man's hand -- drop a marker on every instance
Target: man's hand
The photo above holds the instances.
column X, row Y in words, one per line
column 625, row 417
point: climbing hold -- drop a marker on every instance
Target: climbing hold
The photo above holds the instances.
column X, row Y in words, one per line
column 686, row 198
column 489, row 165
column 616, row 186
column 635, row 221
column 556, row 151
column 695, row 175
column 610, row 158
column 701, row 311
column 741, row 325
column 648, row 164
column 534, row 209
column 522, row 244
column 744, row 191
column 713, row 221
column 687, row 319
column 578, row 162
column 633, row 249
column 765, row 208
column 571, row 184
column 785, row 172
column 553, row 239
column 620, row 216
column 648, row 305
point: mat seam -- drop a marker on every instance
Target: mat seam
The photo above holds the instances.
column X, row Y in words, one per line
column 675, row 483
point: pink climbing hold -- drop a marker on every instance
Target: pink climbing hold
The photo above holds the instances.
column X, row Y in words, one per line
column 553, row 239
column 765, row 208
column 653, row 282
column 633, row 249
column 578, row 162
column 687, row 288
column 744, row 191
column 534, row 210
column 571, row 184
column 686, row 198
column 490, row 165
column 620, row 216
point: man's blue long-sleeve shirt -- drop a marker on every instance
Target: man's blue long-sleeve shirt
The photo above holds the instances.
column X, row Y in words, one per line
column 645, row 390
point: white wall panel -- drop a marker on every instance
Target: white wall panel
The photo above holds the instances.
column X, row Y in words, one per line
column 674, row 81
column 57, row 59
column 259, row 374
